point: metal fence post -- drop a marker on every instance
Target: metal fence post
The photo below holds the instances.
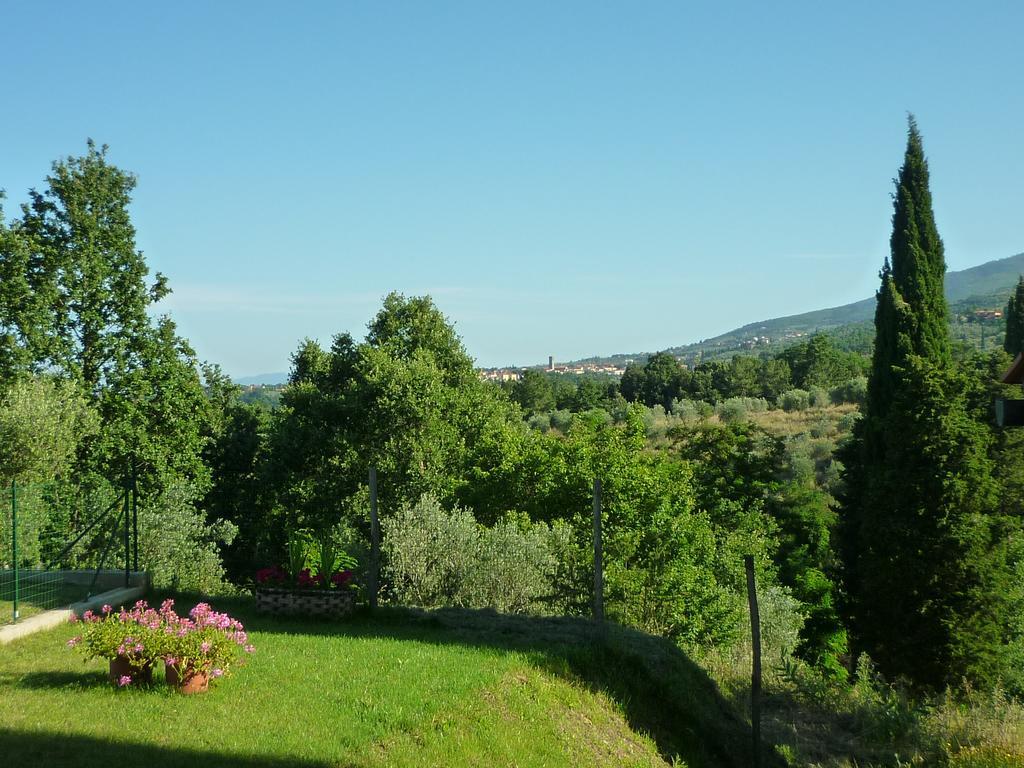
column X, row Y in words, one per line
column 374, row 540
column 14, row 543
column 127, row 539
column 598, row 555
column 135, row 519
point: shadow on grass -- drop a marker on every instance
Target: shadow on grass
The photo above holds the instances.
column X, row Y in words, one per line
column 62, row 680
column 27, row 748
column 661, row 691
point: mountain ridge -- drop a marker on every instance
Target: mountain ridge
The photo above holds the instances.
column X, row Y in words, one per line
column 988, row 284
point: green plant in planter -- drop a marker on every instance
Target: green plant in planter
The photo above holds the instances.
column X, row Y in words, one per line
column 132, row 640
column 298, row 550
column 334, row 567
column 328, row 554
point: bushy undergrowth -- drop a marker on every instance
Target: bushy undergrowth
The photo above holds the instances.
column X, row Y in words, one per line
column 439, row 558
column 795, row 400
column 871, row 723
column 180, row 549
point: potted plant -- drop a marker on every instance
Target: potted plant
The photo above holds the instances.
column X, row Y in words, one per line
column 326, row 588
column 195, row 650
column 130, row 640
column 202, row 647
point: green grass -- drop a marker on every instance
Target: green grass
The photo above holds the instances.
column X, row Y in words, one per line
column 403, row 688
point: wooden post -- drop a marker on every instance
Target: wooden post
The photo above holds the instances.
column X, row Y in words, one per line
column 374, row 540
column 598, row 555
column 755, row 679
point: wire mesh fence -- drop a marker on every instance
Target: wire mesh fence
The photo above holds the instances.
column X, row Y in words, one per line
column 25, row 592
column 40, row 570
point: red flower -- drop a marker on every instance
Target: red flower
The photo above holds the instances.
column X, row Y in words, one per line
column 272, row 575
column 341, row 578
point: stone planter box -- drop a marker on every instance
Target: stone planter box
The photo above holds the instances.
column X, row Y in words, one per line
column 328, row 603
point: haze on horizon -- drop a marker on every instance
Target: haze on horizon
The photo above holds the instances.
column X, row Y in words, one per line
column 570, row 180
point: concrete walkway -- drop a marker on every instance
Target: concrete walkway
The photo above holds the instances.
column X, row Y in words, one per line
column 124, row 596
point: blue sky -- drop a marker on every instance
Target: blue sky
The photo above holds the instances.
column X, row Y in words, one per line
column 569, row 178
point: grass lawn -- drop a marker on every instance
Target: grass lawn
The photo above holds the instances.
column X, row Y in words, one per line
column 403, row 688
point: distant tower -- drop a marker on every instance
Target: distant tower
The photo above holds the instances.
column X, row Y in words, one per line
column 551, row 363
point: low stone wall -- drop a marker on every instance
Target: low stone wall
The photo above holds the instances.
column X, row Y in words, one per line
column 325, row 603
column 107, row 579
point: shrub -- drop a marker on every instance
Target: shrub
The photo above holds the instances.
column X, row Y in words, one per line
column 655, row 421
column 178, row 547
column 732, row 411
column 854, row 390
column 735, row 409
column 821, row 428
column 573, row 578
column 818, row 397
column 429, row 553
column 692, row 410
column 513, row 569
column 437, row 558
column 795, row 400
column 540, row 421
column 847, row 420
column 561, row 420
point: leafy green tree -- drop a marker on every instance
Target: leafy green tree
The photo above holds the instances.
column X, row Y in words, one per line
column 407, row 401
column 919, row 549
column 84, row 263
column 740, row 378
column 819, row 363
column 23, row 305
column 77, row 303
column 739, row 474
column 236, row 456
column 533, row 392
column 662, row 375
column 42, row 422
column 589, row 395
column 632, row 384
column 1013, row 342
column 773, row 379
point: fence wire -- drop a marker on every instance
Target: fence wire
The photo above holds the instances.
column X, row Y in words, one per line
column 34, row 591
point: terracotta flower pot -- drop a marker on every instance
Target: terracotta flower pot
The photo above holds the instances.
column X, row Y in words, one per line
column 121, row 667
column 187, row 681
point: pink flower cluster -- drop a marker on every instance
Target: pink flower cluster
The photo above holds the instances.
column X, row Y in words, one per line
column 204, row 641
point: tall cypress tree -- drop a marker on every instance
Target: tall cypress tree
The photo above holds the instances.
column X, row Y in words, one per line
column 916, row 541
column 1014, row 341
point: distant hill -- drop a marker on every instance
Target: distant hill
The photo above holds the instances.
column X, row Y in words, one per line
column 985, row 286
column 269, row 379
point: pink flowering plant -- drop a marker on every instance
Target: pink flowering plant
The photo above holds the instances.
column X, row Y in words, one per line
column 206, row 642
column 134, row 635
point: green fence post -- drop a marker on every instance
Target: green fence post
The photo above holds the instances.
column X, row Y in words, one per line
column 127, row 538
column 135, row 519
column 14, row 541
